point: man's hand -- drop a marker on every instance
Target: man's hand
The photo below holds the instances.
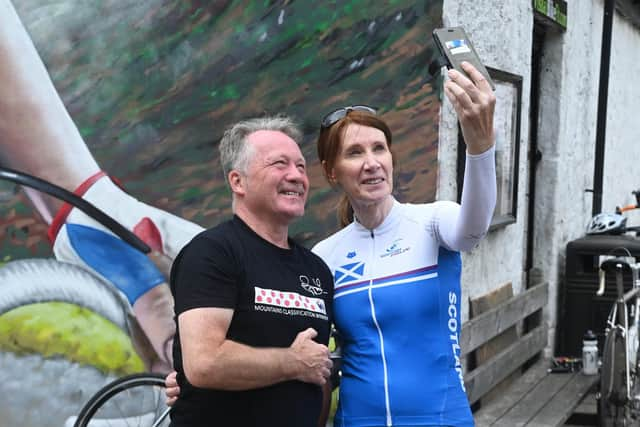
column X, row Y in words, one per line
column 313, row 364
column 474, row 102
column 172, row 390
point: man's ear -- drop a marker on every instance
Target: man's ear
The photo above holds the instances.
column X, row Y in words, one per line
column 236, row 182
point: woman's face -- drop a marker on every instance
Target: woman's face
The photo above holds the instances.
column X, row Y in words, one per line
column 364, row 166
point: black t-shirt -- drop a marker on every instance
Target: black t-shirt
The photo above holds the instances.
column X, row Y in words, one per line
column 275, row 294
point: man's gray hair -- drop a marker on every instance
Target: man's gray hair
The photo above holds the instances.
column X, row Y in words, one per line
column 235, row 154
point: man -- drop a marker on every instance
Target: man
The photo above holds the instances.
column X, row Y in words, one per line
column 253, row 308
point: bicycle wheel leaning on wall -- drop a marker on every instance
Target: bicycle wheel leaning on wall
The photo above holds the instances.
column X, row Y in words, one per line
column 134, row 400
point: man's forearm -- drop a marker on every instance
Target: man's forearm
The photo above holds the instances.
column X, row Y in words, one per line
column 211, row 360
column 236, row 366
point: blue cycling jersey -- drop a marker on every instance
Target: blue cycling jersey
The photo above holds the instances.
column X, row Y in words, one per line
column 397, row 307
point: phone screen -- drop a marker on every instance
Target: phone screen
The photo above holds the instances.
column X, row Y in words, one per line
column 456, row 47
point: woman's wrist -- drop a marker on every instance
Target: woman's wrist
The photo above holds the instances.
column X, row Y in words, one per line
column 477, row 149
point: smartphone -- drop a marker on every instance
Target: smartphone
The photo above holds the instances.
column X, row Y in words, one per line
column 455, row 46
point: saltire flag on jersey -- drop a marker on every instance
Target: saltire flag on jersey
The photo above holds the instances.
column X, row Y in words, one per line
column 349, row 272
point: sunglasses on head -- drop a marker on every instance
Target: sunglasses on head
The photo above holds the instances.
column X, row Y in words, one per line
column 336, row 115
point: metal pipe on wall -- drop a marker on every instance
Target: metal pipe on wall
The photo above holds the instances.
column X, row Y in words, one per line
column 603, row 91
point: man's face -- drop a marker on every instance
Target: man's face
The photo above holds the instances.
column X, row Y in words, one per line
column 276, row 182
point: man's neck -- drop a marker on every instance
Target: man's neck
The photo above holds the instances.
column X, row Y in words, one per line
column 275, row 233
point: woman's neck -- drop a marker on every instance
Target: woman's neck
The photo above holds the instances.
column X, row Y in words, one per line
column 373, row 214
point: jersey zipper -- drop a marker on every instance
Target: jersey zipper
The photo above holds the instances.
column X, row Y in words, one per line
column 380, row 336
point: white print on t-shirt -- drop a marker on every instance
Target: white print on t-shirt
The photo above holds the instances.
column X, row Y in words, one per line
column 315, row 287
column 290, row 311
column 292, row 300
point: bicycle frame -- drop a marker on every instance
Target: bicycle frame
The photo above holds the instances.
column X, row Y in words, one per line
column 620, row 312
column 619, row 318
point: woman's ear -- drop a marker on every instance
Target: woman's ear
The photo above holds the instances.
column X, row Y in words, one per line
column 329, row 174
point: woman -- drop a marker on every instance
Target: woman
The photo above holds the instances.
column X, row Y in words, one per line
column 397, row 270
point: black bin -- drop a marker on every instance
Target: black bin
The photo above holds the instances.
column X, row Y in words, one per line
column 579, row 308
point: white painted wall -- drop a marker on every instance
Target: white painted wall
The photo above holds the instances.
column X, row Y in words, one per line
column 623, row 118
column 566, row 137
column 500, row 257
column 502, row 34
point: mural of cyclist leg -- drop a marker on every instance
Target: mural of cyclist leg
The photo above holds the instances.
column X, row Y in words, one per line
column 38, row 137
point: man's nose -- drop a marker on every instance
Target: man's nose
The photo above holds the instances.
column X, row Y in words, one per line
column 295, row 173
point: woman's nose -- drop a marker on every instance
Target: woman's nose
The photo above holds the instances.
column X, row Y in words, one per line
column 371, row 162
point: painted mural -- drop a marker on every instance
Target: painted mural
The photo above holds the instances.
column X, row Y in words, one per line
column 142, row 91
